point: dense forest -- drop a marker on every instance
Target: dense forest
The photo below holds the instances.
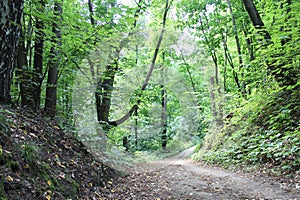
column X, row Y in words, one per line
column 156, row 76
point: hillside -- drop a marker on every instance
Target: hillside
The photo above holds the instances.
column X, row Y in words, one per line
column 38, row 160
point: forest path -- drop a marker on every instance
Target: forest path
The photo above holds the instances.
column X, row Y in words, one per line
column 181, row 178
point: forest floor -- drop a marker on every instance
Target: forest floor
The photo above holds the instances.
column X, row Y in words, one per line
column 40, row 160
column 179, row 177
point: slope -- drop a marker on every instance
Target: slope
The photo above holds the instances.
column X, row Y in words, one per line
column 39, row 160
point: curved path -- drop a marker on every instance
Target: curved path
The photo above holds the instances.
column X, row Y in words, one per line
column 182, row 178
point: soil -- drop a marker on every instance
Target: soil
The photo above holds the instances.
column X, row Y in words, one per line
column 181, row 178
column 40, row 160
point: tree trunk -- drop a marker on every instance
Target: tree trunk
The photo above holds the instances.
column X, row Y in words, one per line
column 136, row 127
column 230, row 61
column 212, row 49
column 23, row 74
column 38, row 60
column 91, row 12
column 213, row 98
column 51, row 90
column 277, row 67
column 146, row 81
column 31, row 78
column 104, row 91
column 105, row 86
column 238, row 46
column 164, row 138
column 164, row 117
column 256, row 20
column 249, row 43
column 10, row 22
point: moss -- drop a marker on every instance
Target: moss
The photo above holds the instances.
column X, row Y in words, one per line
column 46, row 165
column 29, row 153
column 5, row 158
column 76, row 186
column 2, row 196
column 12, row 165
column 70, row 189
column 4, row 128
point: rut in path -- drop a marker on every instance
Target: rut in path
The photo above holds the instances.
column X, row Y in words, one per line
column 181, row 178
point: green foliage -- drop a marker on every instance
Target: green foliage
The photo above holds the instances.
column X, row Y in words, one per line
column 264, row 130
column 257, row 122
column 29, row 153
column 4, row 129
column 259, row 85
column 2, row 195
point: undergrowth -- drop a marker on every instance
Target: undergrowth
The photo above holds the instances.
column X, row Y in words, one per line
column 264, row 130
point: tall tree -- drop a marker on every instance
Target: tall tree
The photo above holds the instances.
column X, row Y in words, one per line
column 105, row 83
column 38, row 58
column 238, row 46
column 163, row 89
column 152, row 65
column 31, row 76
column 10, row 20
column 22, row 72
column 284, row 74
column 256, row 19
column 104, row 91
column 55, row 54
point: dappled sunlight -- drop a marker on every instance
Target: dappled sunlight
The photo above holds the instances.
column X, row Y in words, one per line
column 139, row 99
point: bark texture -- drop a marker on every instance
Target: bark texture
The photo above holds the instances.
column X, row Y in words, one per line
column 10, row 19
column 51, row 91
column 38, row 60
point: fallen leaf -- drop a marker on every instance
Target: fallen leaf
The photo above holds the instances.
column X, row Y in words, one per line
column 6, row 152
column 59, row 164
column 73, row 162
column 26, row 166
column 49, row 182
column 47, row 194
column 48, row 197
column 62, row 175
column 98, row 195
column 33, row 135
column 9, row 178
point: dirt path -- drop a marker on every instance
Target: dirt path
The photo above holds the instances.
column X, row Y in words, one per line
column 181, row 178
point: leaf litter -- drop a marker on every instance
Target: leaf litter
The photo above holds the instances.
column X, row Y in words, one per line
column 181, row 178
column 38, row 160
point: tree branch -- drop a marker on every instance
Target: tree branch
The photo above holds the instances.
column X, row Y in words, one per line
column 146, row 81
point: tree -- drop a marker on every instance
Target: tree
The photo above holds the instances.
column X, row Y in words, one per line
column 10, row 14
column 104, row 86
column 38, row 58
column 284, row 74
column 164, row 101
column 30, row 74
column 55, row 54
column 105, row 83
column 256, row 19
